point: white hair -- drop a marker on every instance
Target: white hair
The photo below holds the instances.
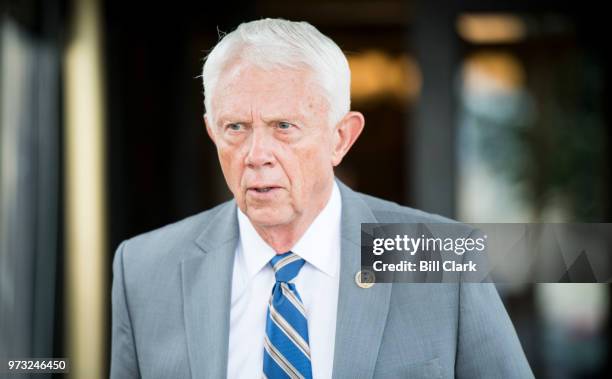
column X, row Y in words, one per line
column 278, row 43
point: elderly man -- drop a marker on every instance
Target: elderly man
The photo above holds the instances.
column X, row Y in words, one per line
column 265, row 285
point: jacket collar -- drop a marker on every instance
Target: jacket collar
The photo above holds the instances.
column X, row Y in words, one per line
column 362, row 313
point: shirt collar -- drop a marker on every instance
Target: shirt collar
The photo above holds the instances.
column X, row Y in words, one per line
column 319, row 246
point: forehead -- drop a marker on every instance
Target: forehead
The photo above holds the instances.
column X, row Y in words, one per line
column 244, row 89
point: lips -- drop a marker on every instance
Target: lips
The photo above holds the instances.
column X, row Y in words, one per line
column 263, row 188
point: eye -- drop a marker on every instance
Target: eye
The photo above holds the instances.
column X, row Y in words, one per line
column 234, row 127
column 284, row 125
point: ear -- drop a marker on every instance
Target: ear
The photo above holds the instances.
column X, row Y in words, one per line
column 209, row 126
column 345, row 134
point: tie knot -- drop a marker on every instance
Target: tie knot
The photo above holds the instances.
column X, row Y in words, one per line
column 286, row 266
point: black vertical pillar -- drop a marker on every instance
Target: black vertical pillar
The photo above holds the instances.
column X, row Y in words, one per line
column 432, row 139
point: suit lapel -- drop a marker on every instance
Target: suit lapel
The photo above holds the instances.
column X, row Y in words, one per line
column 362, row 313
column 206, row 290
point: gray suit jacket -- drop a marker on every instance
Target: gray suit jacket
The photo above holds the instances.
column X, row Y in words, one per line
column 171, row 301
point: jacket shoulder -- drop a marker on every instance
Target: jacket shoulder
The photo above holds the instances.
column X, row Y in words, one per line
column 390, row 212
column 173, row 241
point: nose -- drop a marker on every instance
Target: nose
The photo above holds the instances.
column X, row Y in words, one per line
column 260, row 152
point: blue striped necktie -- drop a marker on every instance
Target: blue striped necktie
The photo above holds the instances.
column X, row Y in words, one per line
column 286, row 347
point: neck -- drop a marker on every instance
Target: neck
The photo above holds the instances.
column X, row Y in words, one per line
column 283, row 237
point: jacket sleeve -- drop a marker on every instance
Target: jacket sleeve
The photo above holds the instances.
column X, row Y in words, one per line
column 488, row 346
column 124, row 362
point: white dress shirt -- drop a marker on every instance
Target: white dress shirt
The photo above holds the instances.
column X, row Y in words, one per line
column 317, row 283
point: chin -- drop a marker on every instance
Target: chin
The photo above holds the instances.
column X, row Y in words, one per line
column 268, row 217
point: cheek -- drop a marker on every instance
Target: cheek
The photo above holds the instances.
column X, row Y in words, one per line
column 319, row 153
column 314, row 164
column 230, row 165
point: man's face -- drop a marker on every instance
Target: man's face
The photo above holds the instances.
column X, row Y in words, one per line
column 274, row 141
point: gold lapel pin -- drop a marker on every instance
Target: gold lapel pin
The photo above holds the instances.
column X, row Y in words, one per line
column 365, row 279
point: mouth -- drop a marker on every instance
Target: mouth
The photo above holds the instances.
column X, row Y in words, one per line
column 263, row 189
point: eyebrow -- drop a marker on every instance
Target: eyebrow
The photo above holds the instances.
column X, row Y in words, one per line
column 234, row 119
column 290, row 118
column 293, row 118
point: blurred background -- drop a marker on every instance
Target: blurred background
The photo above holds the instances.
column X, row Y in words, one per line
column 483, row 111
